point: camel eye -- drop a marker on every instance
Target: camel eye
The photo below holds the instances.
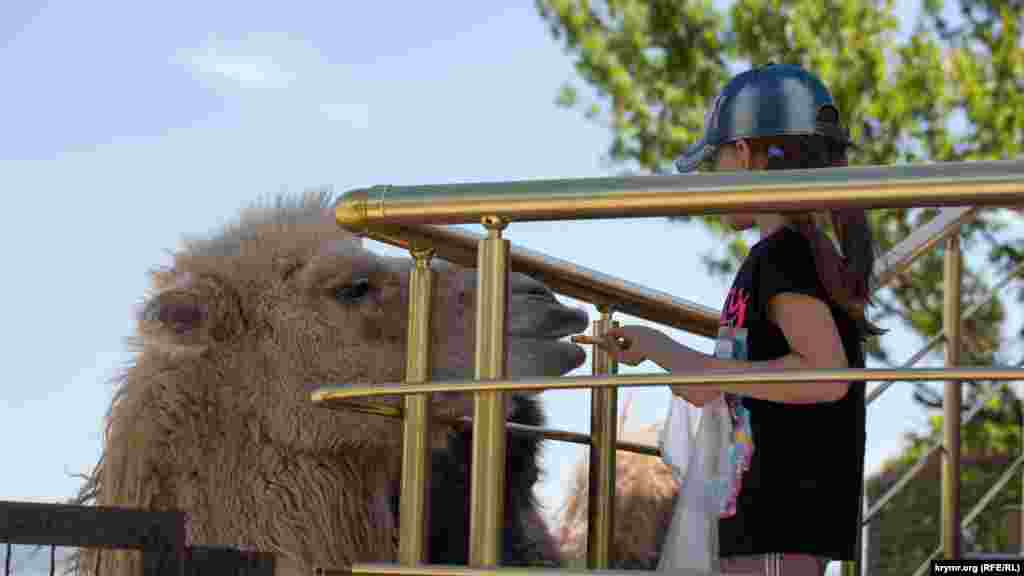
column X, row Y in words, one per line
column 353, row 292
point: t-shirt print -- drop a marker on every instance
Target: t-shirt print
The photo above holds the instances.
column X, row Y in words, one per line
column 732, row 344
column 732, row 332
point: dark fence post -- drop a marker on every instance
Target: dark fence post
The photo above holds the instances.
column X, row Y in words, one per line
column 217, row 561
column 163, row 556
column 160, row 536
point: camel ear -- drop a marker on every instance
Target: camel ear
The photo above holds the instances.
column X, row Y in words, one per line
column 189, row 316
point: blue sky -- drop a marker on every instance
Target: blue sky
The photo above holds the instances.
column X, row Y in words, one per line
column 127, row 125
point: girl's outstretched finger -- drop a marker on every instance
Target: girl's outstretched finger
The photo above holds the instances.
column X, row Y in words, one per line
column 609, row 342
column 591, row 341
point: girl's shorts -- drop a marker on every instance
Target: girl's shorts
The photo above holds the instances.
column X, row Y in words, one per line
column 774, row 565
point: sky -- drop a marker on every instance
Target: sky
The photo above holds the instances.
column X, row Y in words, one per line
column 129, row 125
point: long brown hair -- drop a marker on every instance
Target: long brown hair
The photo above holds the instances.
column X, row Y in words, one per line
column 848, row 277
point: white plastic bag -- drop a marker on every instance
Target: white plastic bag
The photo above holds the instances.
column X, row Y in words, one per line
column 678, row 435
column 702, row 466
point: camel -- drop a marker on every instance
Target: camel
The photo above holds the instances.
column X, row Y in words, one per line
column 214, row 415
column 645, row 494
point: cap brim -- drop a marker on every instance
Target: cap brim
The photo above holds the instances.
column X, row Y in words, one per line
column 694, row 156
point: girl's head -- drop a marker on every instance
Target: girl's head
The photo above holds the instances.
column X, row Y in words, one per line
column 742, row 154
column 775, row 153
column 781, row 117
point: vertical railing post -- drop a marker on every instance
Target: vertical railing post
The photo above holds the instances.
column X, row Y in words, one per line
column 858, row 566
column 951, row 403
column 864, row 549
column 487, row 483
column 603, row 424
column 414, row 512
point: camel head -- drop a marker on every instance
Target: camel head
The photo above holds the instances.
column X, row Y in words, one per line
column 284, row 302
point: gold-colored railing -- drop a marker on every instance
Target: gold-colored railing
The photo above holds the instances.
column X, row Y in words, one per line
column 946, row 184
column 403, row 216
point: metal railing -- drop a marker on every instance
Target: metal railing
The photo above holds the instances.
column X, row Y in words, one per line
column 158, row 535
column 406, row 217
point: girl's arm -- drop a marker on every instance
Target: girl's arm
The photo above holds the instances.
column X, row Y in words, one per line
column 813, row 340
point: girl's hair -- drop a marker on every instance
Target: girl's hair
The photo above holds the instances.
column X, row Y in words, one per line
column 848, row 277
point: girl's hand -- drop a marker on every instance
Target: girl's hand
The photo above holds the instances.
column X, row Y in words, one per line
column 633, row 344
column 627, row 344
column 696, row 395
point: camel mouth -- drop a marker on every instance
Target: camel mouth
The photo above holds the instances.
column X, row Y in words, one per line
column 576, row 354
column 543, row 357
column 548, row 339
column 579, row 355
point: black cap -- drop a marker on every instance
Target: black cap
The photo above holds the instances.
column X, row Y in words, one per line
column 773, row 100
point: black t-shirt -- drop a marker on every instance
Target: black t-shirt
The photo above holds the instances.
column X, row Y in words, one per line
column 801, row 494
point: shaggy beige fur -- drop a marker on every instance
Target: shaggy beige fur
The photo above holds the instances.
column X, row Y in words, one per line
column 214, row 417
column 645, row 493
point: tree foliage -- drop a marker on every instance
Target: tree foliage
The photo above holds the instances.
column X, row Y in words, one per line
column 943, row 91
column 949, row 89
column 909, row 527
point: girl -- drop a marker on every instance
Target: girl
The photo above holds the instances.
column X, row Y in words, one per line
column 798, row 303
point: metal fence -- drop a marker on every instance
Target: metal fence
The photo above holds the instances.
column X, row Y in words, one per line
column 408, row 217
column 158, row 535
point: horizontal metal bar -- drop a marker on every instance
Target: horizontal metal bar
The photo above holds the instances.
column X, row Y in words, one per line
column 878, row 390
column 338, row 395
column 998, row 183
column 438, row 570
column 577, row 438
column 923, row 460
column 34, row 523
column 977, row 509
column 941, row 336
column 395, row 411
column 459, row 247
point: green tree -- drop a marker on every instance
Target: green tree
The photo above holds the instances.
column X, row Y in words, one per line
column 907, row 531
column 944, row 92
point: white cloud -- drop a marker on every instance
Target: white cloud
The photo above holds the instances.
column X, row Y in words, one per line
column 256, row 61
column 247, row 70
column 278, row 74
